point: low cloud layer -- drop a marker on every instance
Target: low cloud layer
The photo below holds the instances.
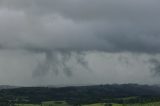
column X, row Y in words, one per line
column 111, row 26
column 60, row 31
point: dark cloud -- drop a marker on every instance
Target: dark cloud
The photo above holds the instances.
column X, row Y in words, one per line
column 112, row 26
column 55, row 61
column 155, row 66
column 61, row 30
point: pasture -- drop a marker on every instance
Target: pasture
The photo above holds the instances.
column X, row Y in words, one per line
column 53, row 103
column 48, row 103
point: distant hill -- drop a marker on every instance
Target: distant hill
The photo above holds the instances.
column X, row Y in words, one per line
column 7, row 87
column 80, row 94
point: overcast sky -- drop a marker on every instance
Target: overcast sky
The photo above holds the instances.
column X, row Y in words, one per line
column 72, row 42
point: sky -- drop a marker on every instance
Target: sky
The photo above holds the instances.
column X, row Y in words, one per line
column 79, row 42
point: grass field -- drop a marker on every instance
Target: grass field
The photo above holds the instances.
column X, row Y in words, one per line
column 26, row 105
column 103, row 104
column 48, row 103
column 55, row 103
column 147, row 104
column 52, row 103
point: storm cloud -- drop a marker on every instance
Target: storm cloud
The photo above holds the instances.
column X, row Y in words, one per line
column 110, row 26
column 63, row 32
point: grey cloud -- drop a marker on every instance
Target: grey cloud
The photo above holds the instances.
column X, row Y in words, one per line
column 112, row 26
column 56, row 61
column 155, row 66
column 62, row 30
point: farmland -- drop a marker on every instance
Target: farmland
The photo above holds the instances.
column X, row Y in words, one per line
column 98, row 95
column 48, row 103
column 96, row 104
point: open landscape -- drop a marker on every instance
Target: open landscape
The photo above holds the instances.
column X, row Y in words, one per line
column 96, row 104
column 79, row 52
column 97, row 95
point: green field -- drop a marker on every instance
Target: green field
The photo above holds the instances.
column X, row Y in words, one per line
column 48, row 103
column 147, row 104
column 53, row 103
column 103, row 104
column 26, row 105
